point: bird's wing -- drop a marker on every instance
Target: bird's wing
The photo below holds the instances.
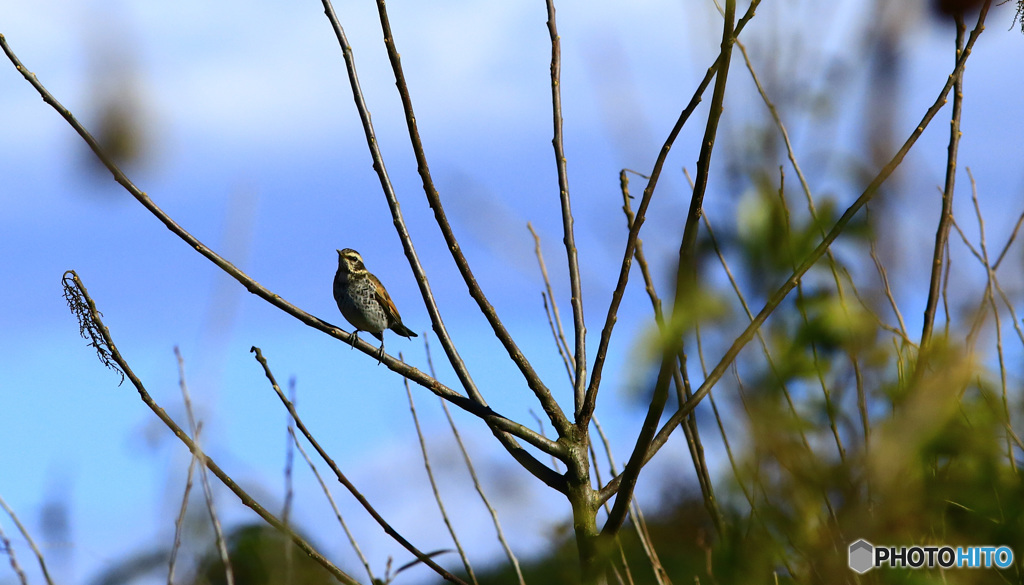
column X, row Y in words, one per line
column 385, row 300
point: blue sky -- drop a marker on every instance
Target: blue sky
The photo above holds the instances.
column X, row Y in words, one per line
column 255, row 147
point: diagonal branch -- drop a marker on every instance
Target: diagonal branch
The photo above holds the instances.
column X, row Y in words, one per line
column 341, row 476
column 679, row 375
column 5, row 545
column 494, row 420
column 946, row 217
column 580, row 354
column 686, row 284
column 85, row 309
column 437, row 492
column 773, row 302
column 498, row 426
column 641, row 215
column 396, row 213
column 31, row 543
column 433, row 198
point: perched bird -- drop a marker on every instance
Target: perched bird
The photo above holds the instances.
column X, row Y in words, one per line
column 364, row 301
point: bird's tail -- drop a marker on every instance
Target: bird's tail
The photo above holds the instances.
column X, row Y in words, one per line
column 403, row 330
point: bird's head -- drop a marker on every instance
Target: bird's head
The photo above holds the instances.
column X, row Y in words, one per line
column 350, row 261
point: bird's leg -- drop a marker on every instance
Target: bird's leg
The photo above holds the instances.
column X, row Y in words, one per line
column 380, row 352
column 353, row 339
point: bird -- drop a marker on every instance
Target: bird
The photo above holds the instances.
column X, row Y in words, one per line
column 363, row 300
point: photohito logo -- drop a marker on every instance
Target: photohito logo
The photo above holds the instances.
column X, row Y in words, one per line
column 865, row 556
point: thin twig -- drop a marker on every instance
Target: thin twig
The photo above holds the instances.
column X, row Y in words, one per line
column 883, row 275
column 194, row 426
column 990, row 299
column 433, row 487
column 344, row 480
column 289, row 493
column 862, row 401
column 5, row 544
column 472, row 471
column 1009, row 241
column 680, row 376
column 945, row 289
column 334, row 506
column 179, row 522
column 554, row 334
column 483, row 495
column 791, row 154
column 801, row 306
column 638, row 253
column 563, row 345
column 660, row 575
column 874, row 314
column 568, row 237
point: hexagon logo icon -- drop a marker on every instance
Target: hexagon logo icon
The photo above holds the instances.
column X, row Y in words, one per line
column 861, row 556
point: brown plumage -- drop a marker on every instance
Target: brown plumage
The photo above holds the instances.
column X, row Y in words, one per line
column 363, row 300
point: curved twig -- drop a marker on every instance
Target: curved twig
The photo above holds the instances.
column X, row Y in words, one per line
column 197, row 427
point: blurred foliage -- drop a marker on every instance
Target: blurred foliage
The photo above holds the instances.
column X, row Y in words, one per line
column 840, row 427
column 260, row 555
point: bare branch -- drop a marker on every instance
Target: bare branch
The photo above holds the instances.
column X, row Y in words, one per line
column 31, row 544
column 533, row 380
column 75, row 284
column 179, row 522
column 641, row 215
column 473, row 405
column 344, row 480
column 483, row 496
column 680, row 376
column 946, row 215
column 196, row 428
column 330, row 499
column 686, row 277
column 563, row 346
column 433, row 487
column 472, row 471
column 568, row 237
